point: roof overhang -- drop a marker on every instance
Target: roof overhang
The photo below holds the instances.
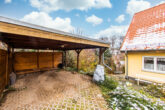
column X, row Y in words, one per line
column 149, row 50
column 18, row 34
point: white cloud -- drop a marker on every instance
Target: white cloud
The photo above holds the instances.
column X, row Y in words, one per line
column 120, row 18
column 54, row 5
column 94, row 20
column 8, row 1
column 113, row 31
column 43, row 19
column 134, row 6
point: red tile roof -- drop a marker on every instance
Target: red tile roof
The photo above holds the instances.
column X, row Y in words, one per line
column 147, row 30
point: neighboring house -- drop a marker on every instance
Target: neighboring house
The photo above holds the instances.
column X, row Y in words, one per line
column 144, row 45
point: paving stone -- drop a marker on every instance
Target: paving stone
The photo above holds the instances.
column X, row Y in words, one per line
column 54, row 90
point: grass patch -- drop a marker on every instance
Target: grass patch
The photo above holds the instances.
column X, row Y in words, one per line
column 107, row 85
column 86, row 73
column 123, row 97
column 71, row 69
column 155, row 90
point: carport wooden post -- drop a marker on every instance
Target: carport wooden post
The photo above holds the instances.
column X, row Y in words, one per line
column 101, row 51
column 53, row 59
column 8, row 64
column 78, row 54
column 38, row 59
column 12, row 59
column 64, row 59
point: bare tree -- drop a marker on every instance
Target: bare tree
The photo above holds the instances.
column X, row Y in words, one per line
column 78, row 31
column 113, row 42
column 121, row 38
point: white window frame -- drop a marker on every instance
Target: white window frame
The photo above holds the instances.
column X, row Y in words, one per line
column 155, row 64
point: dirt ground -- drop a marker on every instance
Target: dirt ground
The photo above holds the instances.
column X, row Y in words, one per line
column 54, row 90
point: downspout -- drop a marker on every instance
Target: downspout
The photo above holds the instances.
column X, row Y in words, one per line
column 126, row 55
column 105, row 64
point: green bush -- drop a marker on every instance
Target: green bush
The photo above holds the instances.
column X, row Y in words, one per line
column 87, row 61
column 108, row 84
column 71, row 69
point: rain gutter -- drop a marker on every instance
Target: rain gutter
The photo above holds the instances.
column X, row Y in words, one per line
column 105, row 64
column 126, row 55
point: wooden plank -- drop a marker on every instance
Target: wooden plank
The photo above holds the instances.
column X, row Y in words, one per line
column 53, row 59
column 45, row 60
column 33, row 71
column 38, row 59
column 57, row 59
column 25, row 61
column 3, row 56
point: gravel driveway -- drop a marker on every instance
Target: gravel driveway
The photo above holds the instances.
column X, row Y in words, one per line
column 54, row 90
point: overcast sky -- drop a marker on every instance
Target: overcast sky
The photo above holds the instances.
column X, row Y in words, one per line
column 94, row 17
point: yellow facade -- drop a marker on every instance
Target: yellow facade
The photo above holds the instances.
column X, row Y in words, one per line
column 135, row 66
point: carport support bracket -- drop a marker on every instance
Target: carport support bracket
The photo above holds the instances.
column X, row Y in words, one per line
column 78, row 54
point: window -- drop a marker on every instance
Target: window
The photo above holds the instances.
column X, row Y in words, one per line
column 161, row 64
column 149, row 63
column 154, row 64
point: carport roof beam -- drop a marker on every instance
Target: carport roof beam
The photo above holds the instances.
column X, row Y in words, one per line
column 24, row 35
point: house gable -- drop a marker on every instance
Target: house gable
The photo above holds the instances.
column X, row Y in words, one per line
column 147, row 30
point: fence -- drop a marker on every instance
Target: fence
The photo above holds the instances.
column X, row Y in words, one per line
column 24, row 61
column 3, row 70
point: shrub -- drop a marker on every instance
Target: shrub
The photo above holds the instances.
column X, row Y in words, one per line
column 123, row 98
column 71, row 69
column 71, row 59
column 155, row 90
column 108, row 84
column 88, row 60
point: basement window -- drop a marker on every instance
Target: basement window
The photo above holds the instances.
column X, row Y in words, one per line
column 154, row 64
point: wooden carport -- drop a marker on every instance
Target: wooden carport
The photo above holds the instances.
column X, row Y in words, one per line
column 21, row 35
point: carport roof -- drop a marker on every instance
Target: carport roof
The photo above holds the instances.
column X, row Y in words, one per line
column 18, row 34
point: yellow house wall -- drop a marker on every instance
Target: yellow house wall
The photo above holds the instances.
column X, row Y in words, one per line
column 135, row 66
